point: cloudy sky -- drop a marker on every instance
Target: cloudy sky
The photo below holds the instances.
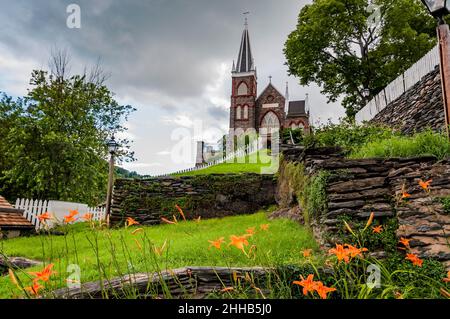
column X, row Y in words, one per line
column 171, row 59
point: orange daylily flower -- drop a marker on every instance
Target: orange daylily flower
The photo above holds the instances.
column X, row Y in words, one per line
column 226, row 289
column 346, row 251
column 180, row 211
column 425, row 185
column 405, row 242
column 353, row 251
column 264, row 227
column 340, row 252
column 216, row 243
column 165, row 220
column 34, row 289
column 447, row 279
column 378, row 229
column 73, row 212
column 308, row 284
column 307, row 253
column 250, row 231
column 71, row 217
column 416, row 261
column 239, row 242
column 130, row 222
column 322, row 290
column 45, row 274
column 88, row 217
column 405, row 195
column 68, row 219
column 45, row 216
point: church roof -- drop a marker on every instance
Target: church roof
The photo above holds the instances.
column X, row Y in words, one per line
column 296, row 108
column 245, row 58
column 270, row 85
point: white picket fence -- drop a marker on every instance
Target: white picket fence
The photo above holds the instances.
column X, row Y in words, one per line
column 240, row 153
column 33, row 208
column 399, row 86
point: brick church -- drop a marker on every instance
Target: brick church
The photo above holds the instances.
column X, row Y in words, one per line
column 250, row 112
column 270, row 109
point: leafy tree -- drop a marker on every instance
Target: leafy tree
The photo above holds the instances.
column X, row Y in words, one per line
column 123, row 173
column 352, row 50
column 54, row 145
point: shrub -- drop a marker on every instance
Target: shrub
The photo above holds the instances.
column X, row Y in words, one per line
column 347, row 135
column 446, row 204
column 424, row 143
column 316, row 195
column 309, row 190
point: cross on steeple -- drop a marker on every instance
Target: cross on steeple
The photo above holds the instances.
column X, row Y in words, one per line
column 246, row 21
column 270, row 79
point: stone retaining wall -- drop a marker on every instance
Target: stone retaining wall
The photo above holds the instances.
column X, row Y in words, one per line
column 203, row 195
column 355, row 188
column 418, row 108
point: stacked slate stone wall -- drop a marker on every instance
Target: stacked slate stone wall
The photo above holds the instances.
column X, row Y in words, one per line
column 357, row 187
column 203, row 196
column 418, row 108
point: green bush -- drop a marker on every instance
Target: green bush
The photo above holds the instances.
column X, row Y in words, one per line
column 347, row 135
column 316, row 195
column 424, row 143
column 309, row 190
column 446, row 204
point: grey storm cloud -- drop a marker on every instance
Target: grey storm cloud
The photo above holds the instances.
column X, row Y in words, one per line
column 165, row 57
column 163, row 45
column 218, row 112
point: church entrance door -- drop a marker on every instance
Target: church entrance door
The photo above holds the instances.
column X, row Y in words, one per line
column 269, row 125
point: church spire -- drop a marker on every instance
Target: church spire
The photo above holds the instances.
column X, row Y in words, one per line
column 245, row 58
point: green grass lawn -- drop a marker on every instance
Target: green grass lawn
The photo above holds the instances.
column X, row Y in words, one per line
column 121, row 252
column 252, row 163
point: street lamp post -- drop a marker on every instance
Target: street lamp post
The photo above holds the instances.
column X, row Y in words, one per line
column 439, row 8
column 112, row 149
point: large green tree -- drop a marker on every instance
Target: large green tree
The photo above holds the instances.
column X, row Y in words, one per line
column 53, row 140
column 353, row 48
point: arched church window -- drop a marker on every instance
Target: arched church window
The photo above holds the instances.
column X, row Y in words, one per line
column 242, row 89
column 245, row 111
column 238, row 112
column 270, row 120
column 293, row 126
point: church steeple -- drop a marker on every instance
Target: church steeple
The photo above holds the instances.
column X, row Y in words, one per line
column 245, row 59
